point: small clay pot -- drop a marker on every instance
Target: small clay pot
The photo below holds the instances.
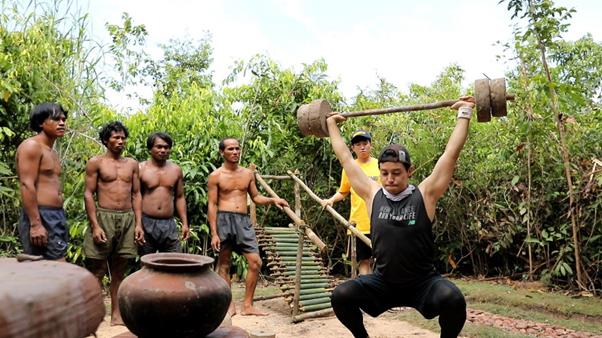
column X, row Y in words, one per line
column 174, row 295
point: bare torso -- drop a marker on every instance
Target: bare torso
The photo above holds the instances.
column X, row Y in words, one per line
column 114, row 182
column 47, row 182
column 158, row 186
column 233, row 187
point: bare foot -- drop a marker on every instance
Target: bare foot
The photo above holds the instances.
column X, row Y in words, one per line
column 116, row 320
column 232, row 310
column 252, row 311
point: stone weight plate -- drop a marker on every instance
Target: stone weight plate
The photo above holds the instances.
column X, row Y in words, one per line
column 311, row 118
column 482, row 96
column 498, row 97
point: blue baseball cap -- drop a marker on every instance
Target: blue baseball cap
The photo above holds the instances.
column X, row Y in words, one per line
column 360, row 134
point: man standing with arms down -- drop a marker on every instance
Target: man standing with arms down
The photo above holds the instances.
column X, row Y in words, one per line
column 115, row 223
column 361, row 145
column 230, row 225
column 43, row 223
column 401, row 217
column 162, row 186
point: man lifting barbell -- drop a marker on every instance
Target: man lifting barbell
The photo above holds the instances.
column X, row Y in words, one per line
column 403, row 247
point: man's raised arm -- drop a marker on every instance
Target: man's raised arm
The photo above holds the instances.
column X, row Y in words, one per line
column 435, row 185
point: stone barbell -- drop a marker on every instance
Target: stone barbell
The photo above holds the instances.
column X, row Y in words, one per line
column 490, row 96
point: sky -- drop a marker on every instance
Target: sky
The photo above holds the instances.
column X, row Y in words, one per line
column 401, row 41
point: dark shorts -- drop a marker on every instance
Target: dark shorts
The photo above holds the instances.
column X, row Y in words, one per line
column 119, row 226
column 379, row 295
column 160, row 234
column 54, row 221
column 235, row 229
column 362, row 250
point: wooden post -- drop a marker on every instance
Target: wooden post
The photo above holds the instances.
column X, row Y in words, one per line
column 353, row 253
column 297, row 197
column 298, row 221
column 301, row 232
column 333, row 212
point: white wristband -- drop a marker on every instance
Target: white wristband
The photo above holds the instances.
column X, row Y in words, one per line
column 465, row 112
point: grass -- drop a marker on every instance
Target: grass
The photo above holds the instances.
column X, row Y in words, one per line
column 531, row 298
column 521, row 301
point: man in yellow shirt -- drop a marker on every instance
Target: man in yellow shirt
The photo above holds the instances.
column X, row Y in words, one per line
column 361, row 144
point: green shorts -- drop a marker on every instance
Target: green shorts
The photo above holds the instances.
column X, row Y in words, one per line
column 119, row 230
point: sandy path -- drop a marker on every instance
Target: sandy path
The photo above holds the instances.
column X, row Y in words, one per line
column 279, row 322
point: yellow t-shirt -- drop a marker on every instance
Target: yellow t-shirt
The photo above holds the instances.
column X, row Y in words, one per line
column 359, row 213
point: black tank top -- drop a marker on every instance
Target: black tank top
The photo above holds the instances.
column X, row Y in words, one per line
column 402, row 238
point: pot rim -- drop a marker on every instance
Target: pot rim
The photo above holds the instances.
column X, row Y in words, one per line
column 176, row 261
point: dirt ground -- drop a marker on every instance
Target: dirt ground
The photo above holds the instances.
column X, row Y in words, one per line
column 279, row 322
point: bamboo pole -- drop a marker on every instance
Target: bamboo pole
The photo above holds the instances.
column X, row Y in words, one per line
column 298, row 221
column 278, row 295
column 304, row 316
column 297, row 197
column 299, row 262
column 333, row 212
column 353, row 256
column 276, row 177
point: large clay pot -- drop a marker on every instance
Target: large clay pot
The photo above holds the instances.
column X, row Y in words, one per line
column 174, row 295
column 47, row 299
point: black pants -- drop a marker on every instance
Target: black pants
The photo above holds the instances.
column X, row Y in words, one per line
column 435, row 296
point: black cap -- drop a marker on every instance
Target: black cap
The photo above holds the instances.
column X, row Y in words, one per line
column 360, row 134
column 395, row 153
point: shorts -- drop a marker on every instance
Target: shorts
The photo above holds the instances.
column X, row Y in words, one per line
column 119, row 229
column 235, row 229
column 379, row 295
column 160, row 234
column 54, row 221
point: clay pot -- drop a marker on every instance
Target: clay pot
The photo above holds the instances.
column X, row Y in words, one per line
column 174, row 295
column 47, row 299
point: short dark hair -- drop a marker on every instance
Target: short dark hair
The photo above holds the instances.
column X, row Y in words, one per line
column 150, row 141
column 116, row 126
column 222, row 142
column 41, row 112
column 395, row 153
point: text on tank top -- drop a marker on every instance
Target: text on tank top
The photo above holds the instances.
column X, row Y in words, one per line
column 402, row 238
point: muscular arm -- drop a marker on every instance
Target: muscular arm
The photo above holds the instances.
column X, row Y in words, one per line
column 259, row 198
column 29, row 155
column 212, row 195
column 137, row 203
column 362, row 184
column 92, row 168
column 254, row 193
column 435, row 185
column 337, row 197
column 181, row 204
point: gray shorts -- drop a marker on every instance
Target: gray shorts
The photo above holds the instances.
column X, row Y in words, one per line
column 160, row 234
column 55, row 222
column 235, row 229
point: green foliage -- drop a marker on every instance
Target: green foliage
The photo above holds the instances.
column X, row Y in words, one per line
column 44, row 57
column 510, row 175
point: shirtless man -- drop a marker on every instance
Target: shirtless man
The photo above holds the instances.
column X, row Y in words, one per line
column 162, row 186
column 43, row 224
column 230, row 225
column 115, row 223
